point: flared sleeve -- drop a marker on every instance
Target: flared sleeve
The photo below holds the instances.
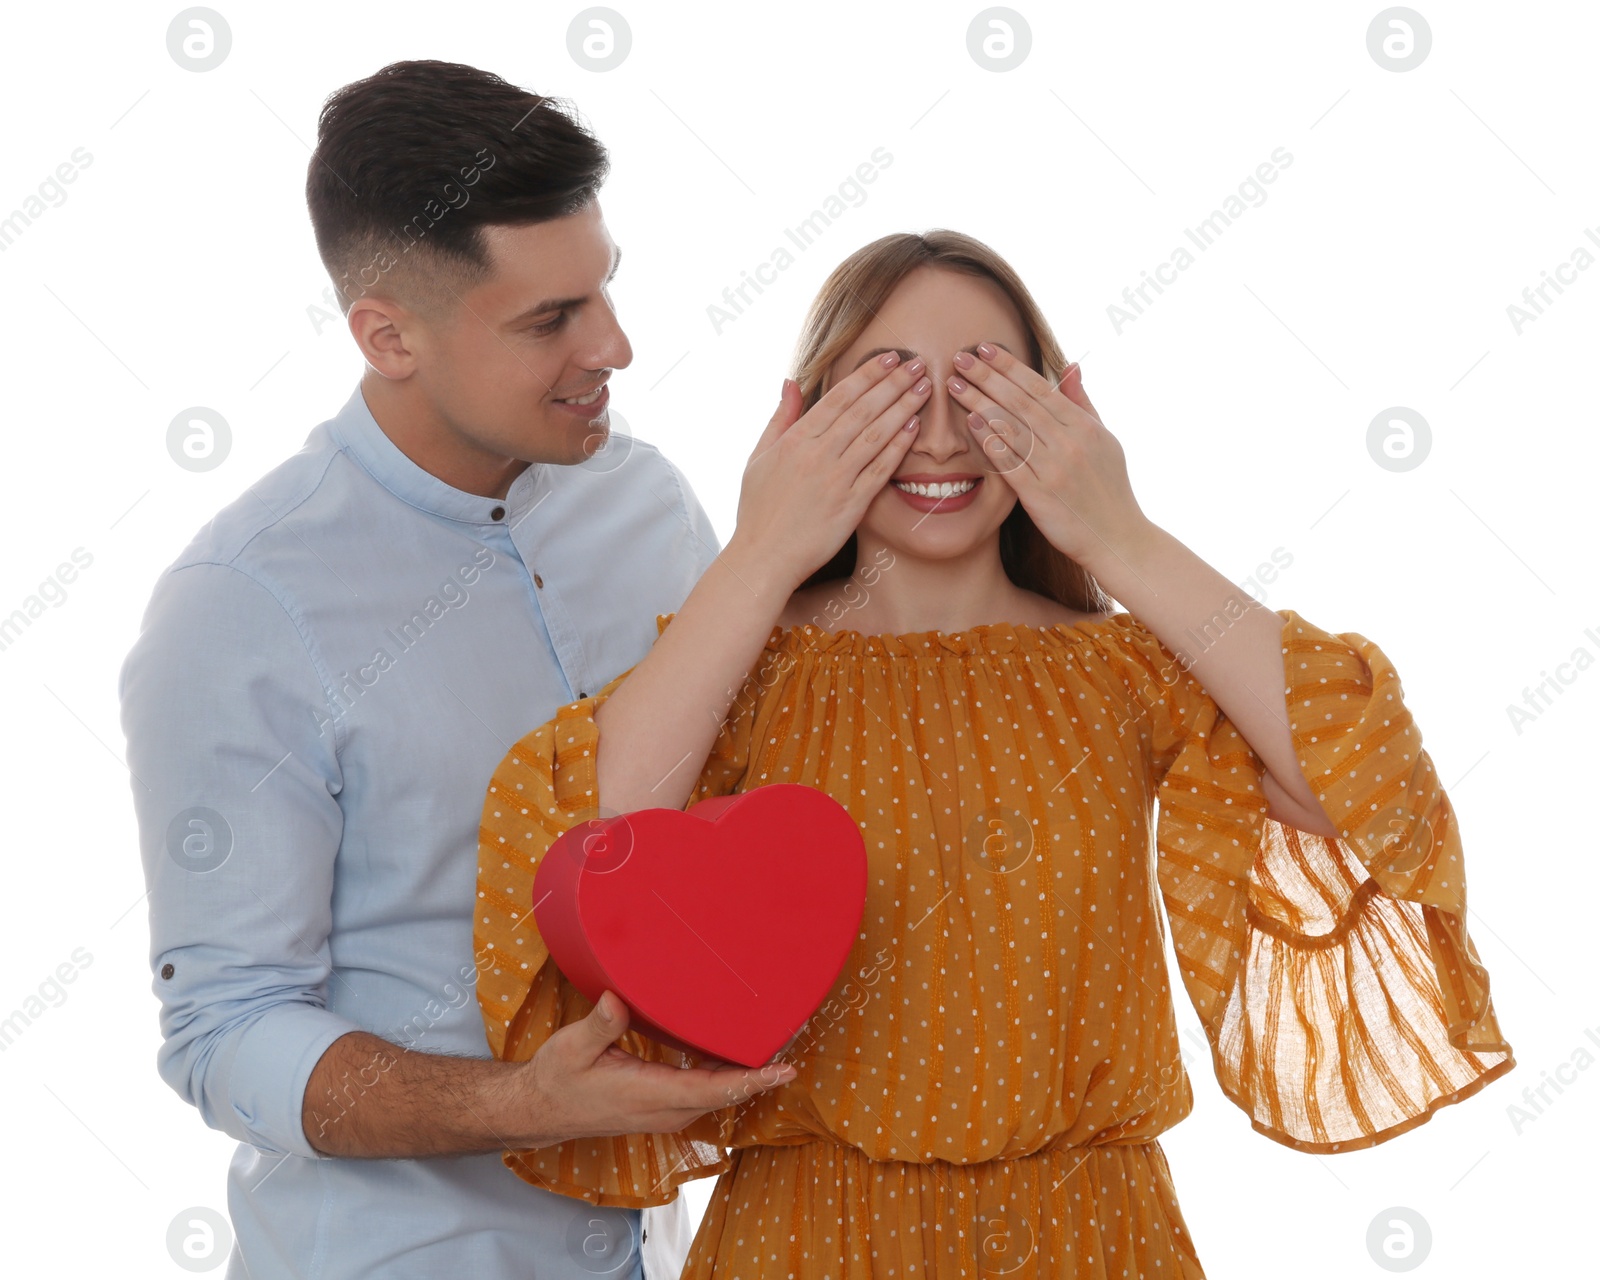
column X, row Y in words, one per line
column 545, row 784
column 1342, row 997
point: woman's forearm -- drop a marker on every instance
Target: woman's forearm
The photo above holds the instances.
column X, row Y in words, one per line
column 657, row 727
column 1184, row 601
column 810, row 479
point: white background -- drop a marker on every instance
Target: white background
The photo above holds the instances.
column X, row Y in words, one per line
column 180, row 267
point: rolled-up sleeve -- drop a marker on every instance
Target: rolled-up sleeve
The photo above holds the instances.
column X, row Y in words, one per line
column 235, row 782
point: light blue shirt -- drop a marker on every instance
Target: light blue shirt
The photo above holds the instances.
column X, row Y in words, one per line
column 325, row 680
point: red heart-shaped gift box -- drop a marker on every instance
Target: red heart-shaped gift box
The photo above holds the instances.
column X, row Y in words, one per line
column 721, row 927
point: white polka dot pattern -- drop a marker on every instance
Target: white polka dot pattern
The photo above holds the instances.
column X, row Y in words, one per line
column 1005, row 1016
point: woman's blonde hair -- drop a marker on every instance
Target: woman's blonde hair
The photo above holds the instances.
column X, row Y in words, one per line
column 849, row 301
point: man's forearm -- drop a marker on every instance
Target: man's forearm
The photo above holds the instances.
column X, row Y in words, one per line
column 368, row 1097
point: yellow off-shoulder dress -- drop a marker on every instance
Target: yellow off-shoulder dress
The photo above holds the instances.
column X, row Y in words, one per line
column 984, row 1089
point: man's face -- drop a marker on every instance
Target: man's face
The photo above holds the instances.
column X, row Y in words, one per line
column 497, row 374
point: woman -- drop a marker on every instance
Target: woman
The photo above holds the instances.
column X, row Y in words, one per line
column 986, row 1085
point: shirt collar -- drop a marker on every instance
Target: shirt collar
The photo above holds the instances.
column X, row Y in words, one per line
column 358, row 431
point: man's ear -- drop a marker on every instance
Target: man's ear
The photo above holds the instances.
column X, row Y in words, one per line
column 378, row 325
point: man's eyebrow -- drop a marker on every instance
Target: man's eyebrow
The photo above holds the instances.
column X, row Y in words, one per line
column 561, row 304
column 906, row 354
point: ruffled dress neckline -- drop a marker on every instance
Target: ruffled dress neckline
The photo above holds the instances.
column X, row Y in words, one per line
column 985, row 637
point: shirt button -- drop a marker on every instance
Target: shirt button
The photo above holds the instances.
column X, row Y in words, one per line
column 498, row 513
column 538, row 581
column 167, row 971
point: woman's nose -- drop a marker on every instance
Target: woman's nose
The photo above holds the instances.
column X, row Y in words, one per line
column 943, row 434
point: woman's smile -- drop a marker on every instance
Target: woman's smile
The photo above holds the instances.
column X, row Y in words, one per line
column 938, row 493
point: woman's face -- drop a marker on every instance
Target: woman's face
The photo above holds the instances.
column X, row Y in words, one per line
column 934, row 313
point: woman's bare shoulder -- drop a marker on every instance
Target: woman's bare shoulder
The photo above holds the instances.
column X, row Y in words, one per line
column 1041, row 611
column 808, row 604
column 793, row 615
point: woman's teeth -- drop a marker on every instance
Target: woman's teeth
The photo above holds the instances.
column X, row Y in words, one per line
column 588, row 399
column 948, row 489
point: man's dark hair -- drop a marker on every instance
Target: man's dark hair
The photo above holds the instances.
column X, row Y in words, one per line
column 414, row 161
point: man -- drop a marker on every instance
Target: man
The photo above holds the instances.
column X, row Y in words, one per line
column 330, row 672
